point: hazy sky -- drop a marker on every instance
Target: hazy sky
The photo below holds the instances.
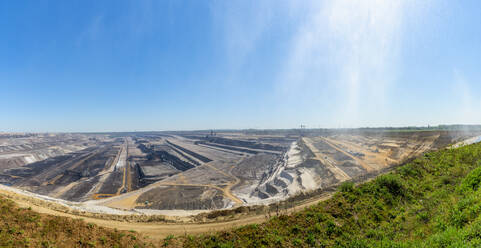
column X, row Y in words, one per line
column 170, row 65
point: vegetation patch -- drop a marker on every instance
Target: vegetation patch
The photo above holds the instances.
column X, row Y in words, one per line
column 22, row 227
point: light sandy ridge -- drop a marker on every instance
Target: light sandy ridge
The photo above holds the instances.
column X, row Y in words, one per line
column 331, row 143
column 338, row 173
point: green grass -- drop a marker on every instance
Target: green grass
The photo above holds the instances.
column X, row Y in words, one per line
column 434, row 201
column 22, row 227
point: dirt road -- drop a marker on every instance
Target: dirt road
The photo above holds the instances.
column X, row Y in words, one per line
column 128, row 200
column 120, row 158
column 227, row 190
column 159, row 230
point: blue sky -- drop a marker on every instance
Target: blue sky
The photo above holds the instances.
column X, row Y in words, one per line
column 173, row 65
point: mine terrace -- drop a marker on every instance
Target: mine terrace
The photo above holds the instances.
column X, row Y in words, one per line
column 204, row 170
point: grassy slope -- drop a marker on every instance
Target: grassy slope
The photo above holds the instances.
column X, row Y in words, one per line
column 21, row 227
column 433, row 201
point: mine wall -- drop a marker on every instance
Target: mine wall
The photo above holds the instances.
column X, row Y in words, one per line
column 243, row 143
column 139, row 179
column 80, row 168
column 179, row 164
column 139, row 170
column 238, row 149
column 36, row 169
column 13, row 162
column 255, row 167
column 448, row 138
column 199, row 143
column 193, row 137
column 280, row 140
column 135, row 178
column 182, row 197
column 79, row 191
column 193, row 154
column 144, row 179
column 164, row 156
column 278, row 178
column 112, row 183
column 185, row 156
column 268, row 186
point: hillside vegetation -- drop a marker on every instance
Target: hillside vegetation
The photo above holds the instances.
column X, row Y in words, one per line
column 434, row 201
column 22, row 227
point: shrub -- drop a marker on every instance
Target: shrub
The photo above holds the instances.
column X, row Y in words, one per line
column 392, row 183
column 472, row 181
column 346, row 187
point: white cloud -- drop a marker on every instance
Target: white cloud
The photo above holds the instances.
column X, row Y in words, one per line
column 467, row 108
column 351, row 47
column 344, row 54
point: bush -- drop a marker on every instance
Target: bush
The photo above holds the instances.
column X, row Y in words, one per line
column 346, row 187
column 392, row 183
column 472, row 181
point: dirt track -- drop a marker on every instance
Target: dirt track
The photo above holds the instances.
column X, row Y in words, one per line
column 109, row 170
column 159, row 230
column 129, row 201
column 227, row 190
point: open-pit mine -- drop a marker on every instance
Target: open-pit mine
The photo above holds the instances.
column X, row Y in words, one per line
column 146, row 172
